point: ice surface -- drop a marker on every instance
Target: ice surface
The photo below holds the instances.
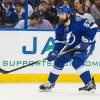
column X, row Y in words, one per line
column 30, row 91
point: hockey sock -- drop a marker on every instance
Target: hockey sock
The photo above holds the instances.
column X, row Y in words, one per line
column 86, row 77
column 84, row 74
column 54, row 74
column 52, row 78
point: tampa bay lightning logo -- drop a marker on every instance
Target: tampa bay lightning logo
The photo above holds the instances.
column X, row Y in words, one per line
column 70, row 37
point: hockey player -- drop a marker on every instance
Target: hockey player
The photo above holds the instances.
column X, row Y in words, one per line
column 72, row 33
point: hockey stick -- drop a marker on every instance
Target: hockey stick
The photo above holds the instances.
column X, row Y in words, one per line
column 6, row 72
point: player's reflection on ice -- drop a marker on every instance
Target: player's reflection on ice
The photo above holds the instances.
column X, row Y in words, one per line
column 30, row 91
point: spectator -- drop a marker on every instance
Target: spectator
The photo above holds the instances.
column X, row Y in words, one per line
column 95, row 11
column 79, row 9
column 53, row 12
column 65, row 2
column 10, row 16
column 86, row 6
column 34, row 3
column 47, row 11
column 59, row 3
column 7, row 4
column 35, row 22
column 17, row 1
column 43, row 6
column 30, row 9
column 19, row 10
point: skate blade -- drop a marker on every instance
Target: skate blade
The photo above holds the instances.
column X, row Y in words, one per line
column 88, row 92
column 48, row 90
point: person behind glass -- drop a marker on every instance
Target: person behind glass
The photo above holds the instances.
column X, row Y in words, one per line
column 30, row 9
column 19, row 10
column 35, row 22
column 47, row 11
column 10, row 16
column 95, row 11
column 81, row 9
column 34, row 3
column 86, row 6
column 7, row 4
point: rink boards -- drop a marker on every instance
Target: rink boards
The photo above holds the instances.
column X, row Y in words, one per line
column 18, row 48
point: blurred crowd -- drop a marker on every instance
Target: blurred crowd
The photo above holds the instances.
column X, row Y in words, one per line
column 42, row 14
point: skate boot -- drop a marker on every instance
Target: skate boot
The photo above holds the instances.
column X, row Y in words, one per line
column 90, row 87
column 46, row 87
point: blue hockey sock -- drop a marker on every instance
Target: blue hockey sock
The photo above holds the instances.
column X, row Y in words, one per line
column 52, row 77
column 86, row 77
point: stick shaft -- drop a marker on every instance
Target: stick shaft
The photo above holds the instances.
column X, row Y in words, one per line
column 6, row 72
column 26, row 65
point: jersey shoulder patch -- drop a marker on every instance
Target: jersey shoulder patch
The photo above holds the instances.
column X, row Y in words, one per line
column 78, row 18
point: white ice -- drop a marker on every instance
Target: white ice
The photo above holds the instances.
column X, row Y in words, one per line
column 29, row 91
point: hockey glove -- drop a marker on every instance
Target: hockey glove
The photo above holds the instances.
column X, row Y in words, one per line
column 52, row 55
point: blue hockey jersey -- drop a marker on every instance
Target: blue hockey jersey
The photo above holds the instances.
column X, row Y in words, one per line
column 72, row 34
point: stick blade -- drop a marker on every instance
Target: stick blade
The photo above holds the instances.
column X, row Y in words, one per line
column 3, row 71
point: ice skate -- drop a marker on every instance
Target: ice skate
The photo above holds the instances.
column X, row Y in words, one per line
column 90, row 87
column 46, row 87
